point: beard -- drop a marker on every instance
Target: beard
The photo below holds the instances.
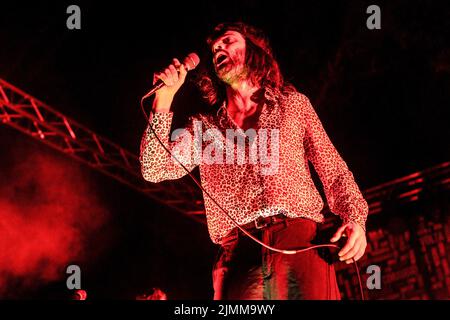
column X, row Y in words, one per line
column 230, row 72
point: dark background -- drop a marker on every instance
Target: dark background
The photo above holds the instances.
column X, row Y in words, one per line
column 382, row 95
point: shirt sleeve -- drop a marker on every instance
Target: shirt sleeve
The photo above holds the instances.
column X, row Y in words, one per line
column 343, row 194
column 156, row 163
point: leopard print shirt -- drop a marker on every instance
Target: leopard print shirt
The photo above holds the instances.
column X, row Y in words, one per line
column 241, row 188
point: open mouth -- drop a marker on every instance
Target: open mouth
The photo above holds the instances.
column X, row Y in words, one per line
column 220, row 58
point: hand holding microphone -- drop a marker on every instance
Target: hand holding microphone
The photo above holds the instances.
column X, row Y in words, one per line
column 167, row 82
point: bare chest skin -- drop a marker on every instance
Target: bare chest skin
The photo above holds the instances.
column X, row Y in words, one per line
column 248, row 119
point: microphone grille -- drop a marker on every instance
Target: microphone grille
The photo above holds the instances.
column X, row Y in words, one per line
column 191, row 61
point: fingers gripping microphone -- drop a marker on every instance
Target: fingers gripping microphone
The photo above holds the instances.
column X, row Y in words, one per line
column 190, row 63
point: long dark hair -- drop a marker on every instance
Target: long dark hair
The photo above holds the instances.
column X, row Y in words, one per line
column 263, row 69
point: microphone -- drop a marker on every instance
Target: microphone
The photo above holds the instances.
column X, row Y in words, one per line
column 190, row 63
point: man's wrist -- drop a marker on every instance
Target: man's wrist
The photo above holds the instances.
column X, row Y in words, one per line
column 356, row 223
column 162, row 103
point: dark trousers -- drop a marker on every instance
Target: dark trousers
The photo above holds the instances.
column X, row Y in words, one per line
column 244, row 270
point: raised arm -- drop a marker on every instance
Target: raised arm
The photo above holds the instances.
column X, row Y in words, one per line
column 156, row 163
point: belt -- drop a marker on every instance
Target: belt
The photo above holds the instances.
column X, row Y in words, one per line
column 265, row 222
column 257, row 224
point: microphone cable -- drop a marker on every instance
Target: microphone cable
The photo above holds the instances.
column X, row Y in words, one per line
column 283, row 251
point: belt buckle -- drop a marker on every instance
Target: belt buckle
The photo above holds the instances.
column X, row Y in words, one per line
column 260, row 223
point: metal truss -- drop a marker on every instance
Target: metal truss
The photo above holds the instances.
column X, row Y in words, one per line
column 421, row 185
column 413, row 187
column 34, row 118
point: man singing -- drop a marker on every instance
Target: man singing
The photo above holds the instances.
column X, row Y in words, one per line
column 282, row 206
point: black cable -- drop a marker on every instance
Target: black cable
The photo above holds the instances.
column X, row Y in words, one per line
column 232, row 219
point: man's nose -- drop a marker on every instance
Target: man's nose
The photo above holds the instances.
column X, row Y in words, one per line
column 217, row 47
